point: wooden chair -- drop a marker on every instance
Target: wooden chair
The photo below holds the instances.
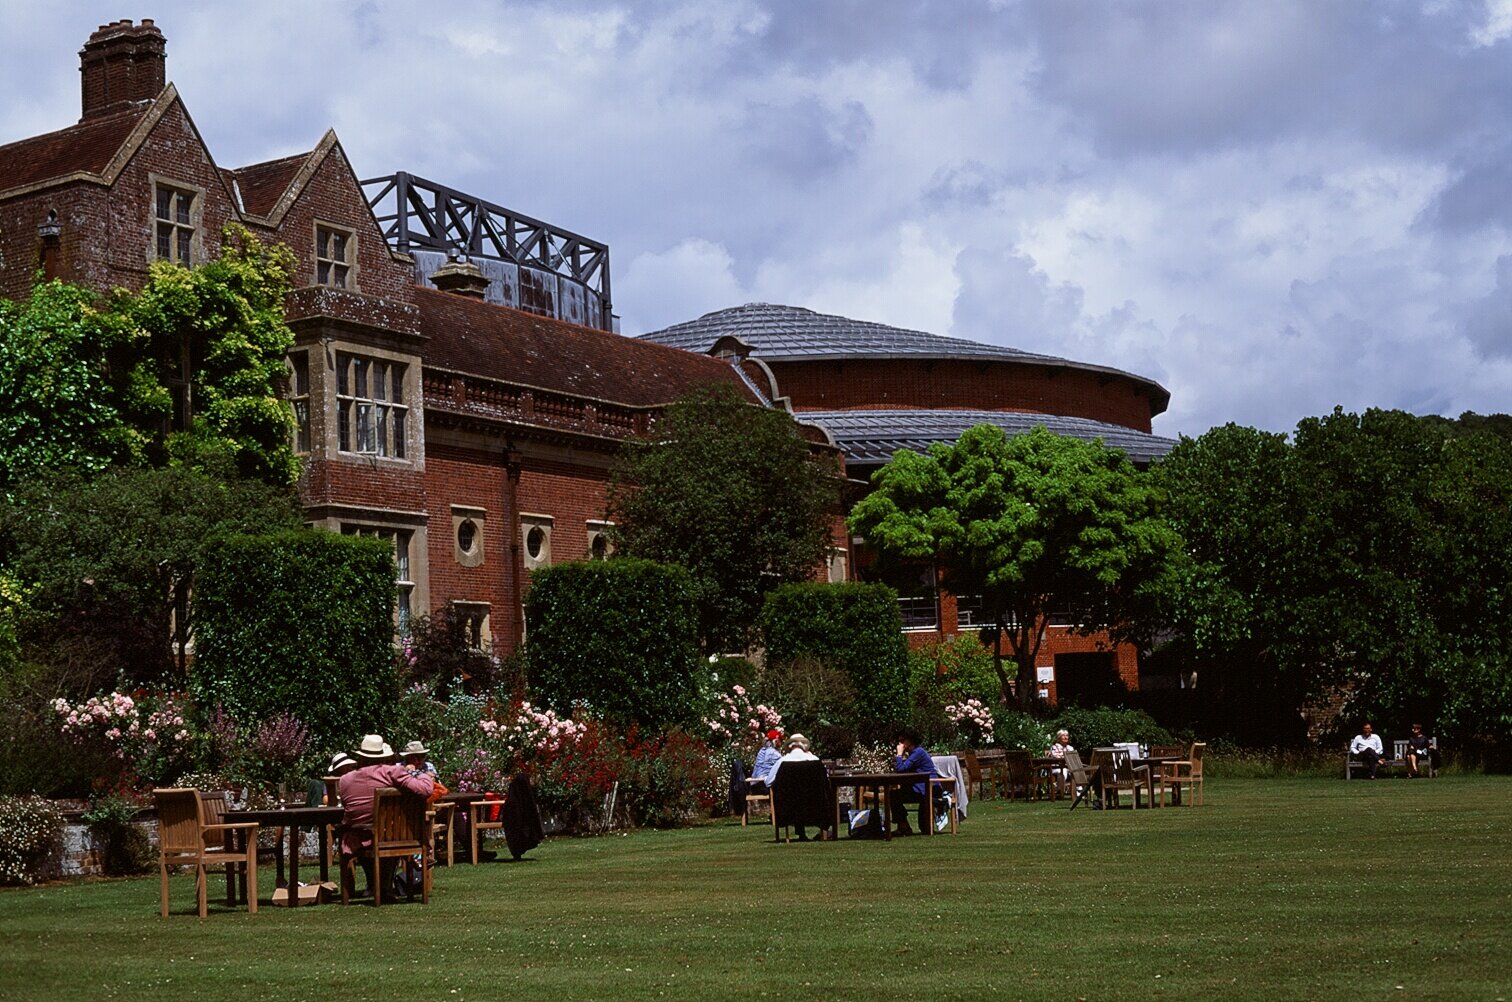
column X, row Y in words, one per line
column 994, row 765
column 975, row 781
column 186, row 839
column 800, row 796
column 948, row 784
column 401, row 830
column 1119, row 773
column 1018, row 773
column 478, row 822
column 1167, row 751
column 1174, row 774
column 214, row 804
column 757, row 794
column 1085, row 779
column 441, row 830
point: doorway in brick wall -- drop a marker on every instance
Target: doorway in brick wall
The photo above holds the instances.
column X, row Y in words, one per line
column 1088, row 678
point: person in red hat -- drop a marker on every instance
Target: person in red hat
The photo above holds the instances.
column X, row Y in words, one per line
column 767, row 758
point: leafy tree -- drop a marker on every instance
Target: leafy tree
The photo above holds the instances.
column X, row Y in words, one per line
column 106, row 562
column 1228, row 494
column 1035, row 523
column 733, row 493
column 216, row 348
column 184, row 371
column 62, row 405
column 1372, row 555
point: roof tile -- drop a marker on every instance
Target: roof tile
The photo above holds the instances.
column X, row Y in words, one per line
column 471, row 336
column 88, row 147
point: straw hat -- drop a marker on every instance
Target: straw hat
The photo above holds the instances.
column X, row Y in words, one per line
column 414, row 748
column 374, row 749
column 798, row 741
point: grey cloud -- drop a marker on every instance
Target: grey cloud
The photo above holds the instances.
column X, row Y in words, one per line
column 1190, row 76
column 1480, row 196
column 805, row 139
column 1488, row 322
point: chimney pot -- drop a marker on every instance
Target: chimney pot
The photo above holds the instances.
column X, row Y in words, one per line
column 122, row 64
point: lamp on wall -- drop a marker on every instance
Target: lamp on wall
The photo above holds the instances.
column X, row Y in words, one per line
column 50, row 230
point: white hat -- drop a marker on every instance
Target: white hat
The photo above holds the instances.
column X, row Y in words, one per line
column 374, row 748
column 415, row 748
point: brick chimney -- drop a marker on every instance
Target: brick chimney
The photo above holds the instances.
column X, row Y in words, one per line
column 461, row 278
column 123, row 64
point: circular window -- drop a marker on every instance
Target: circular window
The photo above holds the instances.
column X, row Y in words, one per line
column 467, row 535
column 599, row 547
column 535, row 542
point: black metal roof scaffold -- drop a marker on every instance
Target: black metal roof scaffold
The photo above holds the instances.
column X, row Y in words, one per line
column 417, row 214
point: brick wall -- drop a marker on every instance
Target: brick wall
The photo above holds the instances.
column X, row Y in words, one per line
column 882, row 384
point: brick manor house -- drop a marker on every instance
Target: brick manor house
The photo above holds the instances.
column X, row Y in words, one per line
column 458, row 382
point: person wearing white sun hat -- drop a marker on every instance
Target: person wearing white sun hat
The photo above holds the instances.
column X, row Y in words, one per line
column 376, row 770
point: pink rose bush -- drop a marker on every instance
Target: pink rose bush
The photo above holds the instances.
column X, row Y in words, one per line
column 738, row 721
column 973, row 718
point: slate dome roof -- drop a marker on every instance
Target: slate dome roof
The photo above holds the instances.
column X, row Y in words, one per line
column 778, row 333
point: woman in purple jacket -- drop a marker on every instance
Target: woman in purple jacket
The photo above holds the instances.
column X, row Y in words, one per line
column 911, row 757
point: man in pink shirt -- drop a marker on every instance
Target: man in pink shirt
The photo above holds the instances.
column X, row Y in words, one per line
column 376, row 770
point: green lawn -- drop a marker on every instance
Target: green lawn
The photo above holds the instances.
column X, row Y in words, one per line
column 1277, row 889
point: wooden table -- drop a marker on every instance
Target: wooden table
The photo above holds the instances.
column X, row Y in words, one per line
column 1049, row 768
column 1154, row 762
column 880, row 783
column 294, row 819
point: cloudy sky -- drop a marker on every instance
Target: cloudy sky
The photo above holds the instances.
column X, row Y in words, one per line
column 1270, row 206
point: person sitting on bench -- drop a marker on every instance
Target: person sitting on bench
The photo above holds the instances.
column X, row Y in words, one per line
column 1366, row 746
column 1420, row 751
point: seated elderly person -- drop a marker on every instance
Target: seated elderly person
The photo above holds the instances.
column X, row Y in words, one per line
column 767, row 757
column 376, row 770
column 912, row 757
column 798, row 751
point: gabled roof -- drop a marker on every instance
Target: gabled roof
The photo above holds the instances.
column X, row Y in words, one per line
column 872, row 437
column 86, row 148
column 261, row 185
column 790, row 333
column 497, row 342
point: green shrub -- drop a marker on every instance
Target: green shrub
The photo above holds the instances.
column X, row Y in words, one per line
column 298, row 622
column 123, row 846
column 853, row 627
column 948, row 671
column 810, row 694
column 31, row 840
column 620, row 636
column 1016, row 729
column 1103, row 726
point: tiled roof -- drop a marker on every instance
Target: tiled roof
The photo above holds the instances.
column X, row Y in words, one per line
column 791, row 333
column 871, row 437
column 471, row 336
column 262, row 184
column 87, row 147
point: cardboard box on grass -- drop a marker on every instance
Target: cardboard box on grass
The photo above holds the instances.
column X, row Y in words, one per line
column 309, row 894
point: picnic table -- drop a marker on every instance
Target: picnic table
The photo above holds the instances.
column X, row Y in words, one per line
column 878, row 783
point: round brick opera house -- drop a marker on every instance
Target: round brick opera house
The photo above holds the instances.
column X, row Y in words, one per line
column 877, row 389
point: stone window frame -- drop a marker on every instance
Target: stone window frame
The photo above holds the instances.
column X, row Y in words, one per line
column 299, row 399
column 839, row 557
column 478, row 518
column 404, row 561
column 343, row 268
column 194, row 226
column 528, row 523
column 598, row 529
column 476, row 626
column 394, row 434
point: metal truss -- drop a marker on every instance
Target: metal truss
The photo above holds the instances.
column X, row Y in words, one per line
column 416, row 214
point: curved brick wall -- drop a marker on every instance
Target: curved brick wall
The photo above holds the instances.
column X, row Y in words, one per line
column 904, row 384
